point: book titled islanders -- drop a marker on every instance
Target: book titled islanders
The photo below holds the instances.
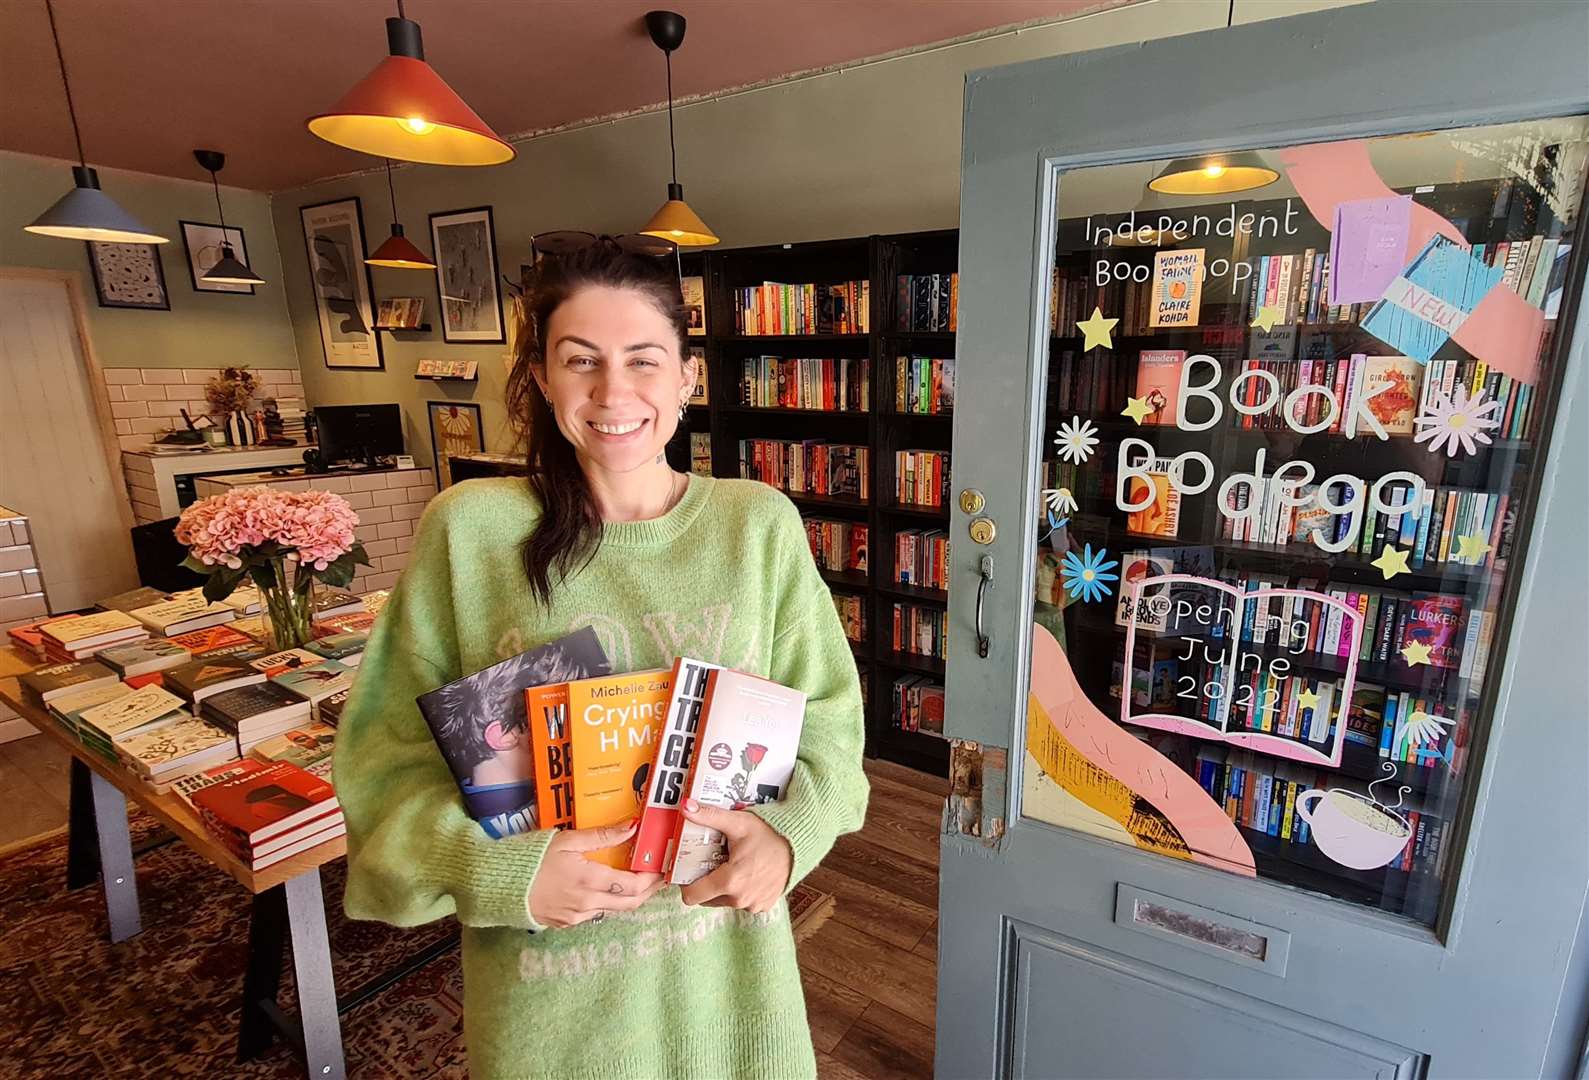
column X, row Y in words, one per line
column 481, row 727
column 613, row 724
column 745, row 755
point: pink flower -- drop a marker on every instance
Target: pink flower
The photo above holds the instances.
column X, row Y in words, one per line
column 317, row 526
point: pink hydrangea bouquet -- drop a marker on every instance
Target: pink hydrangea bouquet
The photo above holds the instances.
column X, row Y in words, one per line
column 283, row 540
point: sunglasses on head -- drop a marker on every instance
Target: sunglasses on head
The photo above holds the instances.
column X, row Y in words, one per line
column 568, row 241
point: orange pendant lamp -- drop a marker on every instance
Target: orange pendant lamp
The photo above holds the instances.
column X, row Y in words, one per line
column 398, row 252
column 404, row 110
column 674, row 220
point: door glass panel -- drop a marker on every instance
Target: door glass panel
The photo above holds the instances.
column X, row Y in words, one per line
column 1295, row 399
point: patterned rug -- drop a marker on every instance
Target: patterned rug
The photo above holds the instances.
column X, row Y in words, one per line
column 165, row 1003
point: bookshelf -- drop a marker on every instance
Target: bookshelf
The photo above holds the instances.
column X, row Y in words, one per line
column 724, row 421
column 1093, row 386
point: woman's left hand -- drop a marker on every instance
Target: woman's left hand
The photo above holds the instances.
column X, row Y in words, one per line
column 758, row 867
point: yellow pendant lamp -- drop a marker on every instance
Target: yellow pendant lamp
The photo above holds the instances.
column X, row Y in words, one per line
column 1214, row 174
column 674, row 220
column 404, row 110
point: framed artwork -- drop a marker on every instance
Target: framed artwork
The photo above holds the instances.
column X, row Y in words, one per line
column 465, row 244
column 203, row 243
column 333, row 236
column 128, row 276
column 454, row 429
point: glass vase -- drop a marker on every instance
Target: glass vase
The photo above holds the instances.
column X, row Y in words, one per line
column 289, row 604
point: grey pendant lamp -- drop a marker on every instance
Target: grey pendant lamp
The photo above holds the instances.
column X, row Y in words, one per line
column 230, row 270
column 86, row 212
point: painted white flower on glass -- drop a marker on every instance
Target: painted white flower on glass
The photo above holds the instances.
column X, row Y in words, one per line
column 1456, row 421
column 1423, row 727
column 1076, row 440
column 1060, row 502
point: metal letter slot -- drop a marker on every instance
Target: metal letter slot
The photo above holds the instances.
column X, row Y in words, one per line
column 1207, row 931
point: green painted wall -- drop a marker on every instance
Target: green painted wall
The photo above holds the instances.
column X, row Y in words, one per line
column 202, row 330
column 869, row 149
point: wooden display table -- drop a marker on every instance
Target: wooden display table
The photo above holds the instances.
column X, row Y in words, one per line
column 287, row 898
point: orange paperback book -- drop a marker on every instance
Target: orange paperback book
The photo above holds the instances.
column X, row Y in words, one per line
column 614, row 723
column 745, row 755
column 546, row 708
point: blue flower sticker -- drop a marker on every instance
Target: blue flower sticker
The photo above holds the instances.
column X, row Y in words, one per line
column 1087, row 577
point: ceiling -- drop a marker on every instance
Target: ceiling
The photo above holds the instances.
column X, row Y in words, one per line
column 153, row 80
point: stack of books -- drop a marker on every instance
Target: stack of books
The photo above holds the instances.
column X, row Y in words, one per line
column 314, row 683
column 41, row 686
column 132, row 600
column 164, row 753
column 346, row 647
column 189, row 611
column 28, row 638
column 266, row 814
column 80, row 637
column 307, row 747
column 67, row 709
column 210, row 674
column 254, row 713
column 331, row 602
column 143, row 662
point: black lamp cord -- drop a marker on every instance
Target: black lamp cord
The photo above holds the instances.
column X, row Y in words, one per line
column 1230, row 16
column 391, row 190
column 673, row 154
column 71, row 109
column 217, row 185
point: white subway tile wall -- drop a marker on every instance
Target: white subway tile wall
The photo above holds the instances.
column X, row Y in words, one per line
column 147, row 401
column 21, row 587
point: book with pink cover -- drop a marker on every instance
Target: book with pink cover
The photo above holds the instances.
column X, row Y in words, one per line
column 1205, row 624
column 1159, row 383
column 1435, row 621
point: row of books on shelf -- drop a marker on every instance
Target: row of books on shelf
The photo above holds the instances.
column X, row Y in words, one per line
column 605, row 748
column 920, row 630
column 852, row 616
column 927, row 302
column 924, row 385
column 835, row 385
column 778, row 308
column 916, row 704
column 1092, row 382
column 839, row 546
column 142, row 613
column 1264, row 795
column 808, row 467
column 1447, row 526
column 400, row 312
column 921, row 477
column 921, row 558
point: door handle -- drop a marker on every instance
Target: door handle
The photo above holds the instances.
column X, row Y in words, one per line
column 985, row 567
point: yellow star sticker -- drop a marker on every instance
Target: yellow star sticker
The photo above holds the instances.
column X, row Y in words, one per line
column 1307, row 700
column 1097, row 331
column 1267, row 317
column 1471, row 549
column 1416, row 652
column 1391, row 561
column 1136, row 408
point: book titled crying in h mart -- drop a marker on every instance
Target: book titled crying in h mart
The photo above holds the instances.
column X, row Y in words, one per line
column 481, row 727
column 659, row 821
column 744, row 755
column 613, row 724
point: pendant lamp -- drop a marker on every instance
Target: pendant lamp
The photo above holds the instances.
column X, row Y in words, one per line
column 404, row 110
column 398, row 252
column 674, row 221
column 1214, row 174
column 85, row 212
column 230, row 270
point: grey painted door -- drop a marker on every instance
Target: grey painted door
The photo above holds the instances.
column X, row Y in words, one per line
column 1272, row 378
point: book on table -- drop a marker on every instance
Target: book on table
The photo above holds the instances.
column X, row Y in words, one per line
column 745, row 755
column 480, row 725
column 79, row 632
column 143, row 657
column 29, row 637
column 44, row 684
column 196, row 681
column 273, row 664
column 213, row 640
column 332, row 602
column 331, row 708
column 316, row 682
column 161, row 754
column 346, row 648
column 308, row 746
column 255, row 712
column 143, row 709
column 133, row 599
column 185, row 787
column 69, row 707
column 179, row 616
column 264, row 811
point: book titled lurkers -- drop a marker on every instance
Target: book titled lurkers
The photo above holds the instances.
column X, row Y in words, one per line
column 480, row 724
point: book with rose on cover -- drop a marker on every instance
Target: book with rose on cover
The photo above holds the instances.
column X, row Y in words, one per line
column 1236, row 681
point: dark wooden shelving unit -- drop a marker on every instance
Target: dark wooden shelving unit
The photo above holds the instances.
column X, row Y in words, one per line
column 877, row 260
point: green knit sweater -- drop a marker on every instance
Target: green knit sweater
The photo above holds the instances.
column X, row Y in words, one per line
column 668, row 990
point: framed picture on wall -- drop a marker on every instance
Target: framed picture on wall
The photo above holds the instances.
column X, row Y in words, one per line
column 128, row 276
column 465, row 243
column 203, row 243
column 333, row 237
column 454, row 429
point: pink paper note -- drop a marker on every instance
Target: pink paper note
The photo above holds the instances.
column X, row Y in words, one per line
column 1504, row 331
column 1368, row 247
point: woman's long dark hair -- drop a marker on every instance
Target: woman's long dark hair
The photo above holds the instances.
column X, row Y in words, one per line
column 569, row 532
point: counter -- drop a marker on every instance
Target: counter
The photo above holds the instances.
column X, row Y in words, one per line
column 152, row 476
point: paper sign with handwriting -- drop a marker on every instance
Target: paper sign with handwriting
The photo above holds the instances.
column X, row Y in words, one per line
column 1177, row 287
column 1368, row 247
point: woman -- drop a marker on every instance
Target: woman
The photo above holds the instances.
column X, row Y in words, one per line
column 623, row 976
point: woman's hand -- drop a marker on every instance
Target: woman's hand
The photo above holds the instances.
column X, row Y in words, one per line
column 570, row 889
column 758, row 866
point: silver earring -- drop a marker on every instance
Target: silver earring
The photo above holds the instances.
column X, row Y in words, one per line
column 682, row 410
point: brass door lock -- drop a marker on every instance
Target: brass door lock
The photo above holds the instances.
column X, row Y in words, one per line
column 971, row 501
column 983, row 530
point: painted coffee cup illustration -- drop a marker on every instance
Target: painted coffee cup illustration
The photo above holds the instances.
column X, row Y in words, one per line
column 1353, row 829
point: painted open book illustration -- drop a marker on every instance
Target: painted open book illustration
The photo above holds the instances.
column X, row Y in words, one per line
column 1235, row 666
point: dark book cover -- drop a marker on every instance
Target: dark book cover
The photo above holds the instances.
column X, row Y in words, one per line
column 46, row 683
column 233, row 709
column 132, row 600
column 212, row 671
column 480, row 724
column 331, row 708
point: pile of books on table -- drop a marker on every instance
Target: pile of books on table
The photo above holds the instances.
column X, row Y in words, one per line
column 264, row 812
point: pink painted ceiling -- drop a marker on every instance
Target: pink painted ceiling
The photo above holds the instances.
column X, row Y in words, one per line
column 152, row 79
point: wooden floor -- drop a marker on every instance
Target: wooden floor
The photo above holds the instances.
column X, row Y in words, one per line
column 34, row 780
column 871, row 973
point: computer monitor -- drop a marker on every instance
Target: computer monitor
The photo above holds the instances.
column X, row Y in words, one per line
column 359, row 432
